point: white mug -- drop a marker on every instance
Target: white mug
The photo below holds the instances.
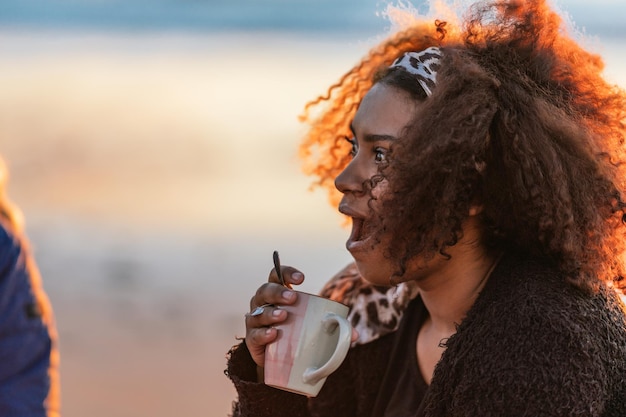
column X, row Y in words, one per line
column 311, row 344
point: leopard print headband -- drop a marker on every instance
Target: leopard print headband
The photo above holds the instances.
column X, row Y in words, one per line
column 423, row 65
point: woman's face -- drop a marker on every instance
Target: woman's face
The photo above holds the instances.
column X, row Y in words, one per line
column 382, row 116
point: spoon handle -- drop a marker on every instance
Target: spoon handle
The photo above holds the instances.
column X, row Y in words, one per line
column 277, row 267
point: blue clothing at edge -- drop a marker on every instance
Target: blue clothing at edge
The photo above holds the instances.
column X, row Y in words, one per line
column 26, row 343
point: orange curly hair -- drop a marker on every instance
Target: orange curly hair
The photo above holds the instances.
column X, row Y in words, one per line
column 536, row 135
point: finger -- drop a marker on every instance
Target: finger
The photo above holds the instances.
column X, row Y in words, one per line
column 259, row 310
column 355, row 335
column 290, row 274
column 257, row 339
column 261, row 336
column 272, row 293
column 264, row 316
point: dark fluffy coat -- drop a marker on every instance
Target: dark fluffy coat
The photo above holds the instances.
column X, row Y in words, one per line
column 531, row 345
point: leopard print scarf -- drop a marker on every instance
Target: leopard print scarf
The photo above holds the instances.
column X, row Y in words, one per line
column 374, row 310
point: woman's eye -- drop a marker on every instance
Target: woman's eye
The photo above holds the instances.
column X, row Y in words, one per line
column 380, row 155
column 354, row 148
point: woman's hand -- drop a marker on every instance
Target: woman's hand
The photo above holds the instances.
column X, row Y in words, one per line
column 264, row 314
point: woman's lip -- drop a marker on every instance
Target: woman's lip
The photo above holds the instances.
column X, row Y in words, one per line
column 355, row 246
column 350, row 212
column 357, row 229
column 357, row 240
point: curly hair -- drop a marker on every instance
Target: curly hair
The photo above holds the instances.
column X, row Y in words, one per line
column 521, row 123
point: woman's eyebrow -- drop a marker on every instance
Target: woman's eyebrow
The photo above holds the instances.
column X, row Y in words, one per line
column 378, row 138
column 373, row 137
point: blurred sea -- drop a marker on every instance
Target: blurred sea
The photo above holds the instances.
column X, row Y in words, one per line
column 604, row 17
column 152, row 147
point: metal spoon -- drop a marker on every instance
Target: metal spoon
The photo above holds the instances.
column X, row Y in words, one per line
column 259, row 310
column 277, row 268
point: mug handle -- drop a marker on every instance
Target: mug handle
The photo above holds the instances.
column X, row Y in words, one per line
column 312, row 375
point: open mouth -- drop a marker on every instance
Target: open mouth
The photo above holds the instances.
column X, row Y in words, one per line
column 359, row 234
column 357, row 229
column 361, row 229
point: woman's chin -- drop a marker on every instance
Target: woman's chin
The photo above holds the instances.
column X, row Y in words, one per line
column 376, row 272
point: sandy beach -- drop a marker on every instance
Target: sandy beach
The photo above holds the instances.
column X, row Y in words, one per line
column 157, row 174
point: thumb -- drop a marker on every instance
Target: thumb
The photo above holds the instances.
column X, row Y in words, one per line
column 355, row 335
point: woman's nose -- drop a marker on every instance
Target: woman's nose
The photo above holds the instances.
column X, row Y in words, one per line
column 349, row 180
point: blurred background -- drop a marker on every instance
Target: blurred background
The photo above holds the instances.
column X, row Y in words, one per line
column 152, row 147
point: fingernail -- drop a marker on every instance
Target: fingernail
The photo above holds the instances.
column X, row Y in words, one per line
column 289, row 295
column 277, row 312
column 268, row 331
column 297, row 276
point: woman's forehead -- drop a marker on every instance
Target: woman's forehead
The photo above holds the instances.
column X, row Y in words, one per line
column 384, row 110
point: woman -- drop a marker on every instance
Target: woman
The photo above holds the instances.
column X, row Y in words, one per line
column 486, row 189
column 29, row 359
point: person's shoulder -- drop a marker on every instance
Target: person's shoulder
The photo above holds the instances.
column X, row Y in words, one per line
column 12, row 258
column 534, row 333
column 10, row 242
column 525, row 290
column 532, row 307
column 532, row 311
column 7, row 234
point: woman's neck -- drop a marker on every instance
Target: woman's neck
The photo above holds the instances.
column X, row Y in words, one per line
column 451, row 289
